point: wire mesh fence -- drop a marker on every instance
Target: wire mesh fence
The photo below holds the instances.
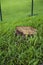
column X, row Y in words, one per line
column 38, row 7
column 21, row 8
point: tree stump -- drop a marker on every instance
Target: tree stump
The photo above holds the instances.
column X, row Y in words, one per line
column 25, row 30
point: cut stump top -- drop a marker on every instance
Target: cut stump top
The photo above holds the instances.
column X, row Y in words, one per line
column 25, row 30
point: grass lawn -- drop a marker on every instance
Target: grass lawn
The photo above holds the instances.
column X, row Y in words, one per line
column 16, row 50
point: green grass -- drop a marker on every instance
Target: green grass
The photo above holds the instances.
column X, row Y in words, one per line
column 16, row 50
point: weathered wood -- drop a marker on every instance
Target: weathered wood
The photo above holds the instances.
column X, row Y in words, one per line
column 25, row 30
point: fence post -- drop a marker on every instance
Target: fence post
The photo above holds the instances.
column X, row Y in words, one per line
column 0, row 12
column 32, row 8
